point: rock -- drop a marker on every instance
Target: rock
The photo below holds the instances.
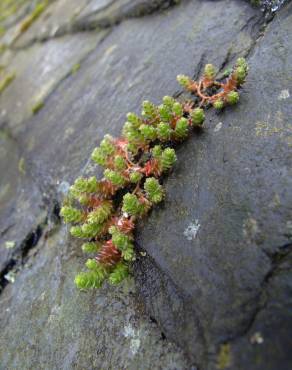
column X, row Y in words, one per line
column 216, row 275
column 38, row 72
column 128, row 67
column 55, row 21
column 265, row 340
column 46, row 324
column 270, row 5
column 227, row 220
column 21, row 205
column 107, row 13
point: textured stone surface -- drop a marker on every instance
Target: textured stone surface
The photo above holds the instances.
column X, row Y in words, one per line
column 232, row 192
column 266, row 339
column 20, row 203
column 108, row 12
column 136, row 56
column 46, row 324
column 38, row 71
column 216, row 278
column 53, row 22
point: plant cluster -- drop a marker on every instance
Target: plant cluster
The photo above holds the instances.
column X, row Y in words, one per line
column 104, row 212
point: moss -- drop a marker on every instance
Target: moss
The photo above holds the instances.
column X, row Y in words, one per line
column 38, row 10
column 37, row 107
column 21, row 166
column 4, row 191
column 2, row 30
column 224, row 357
column 255, row 2
column 6, row 81
column 8, row 8
column 2, row 48
column 10, row 244
column 75, row 68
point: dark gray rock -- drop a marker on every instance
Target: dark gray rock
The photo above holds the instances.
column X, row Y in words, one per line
column 39, row 69
column 138, row 60
column 270, row 5
column 46, row 324
column 54, row 21
column 265, row 341
column 84, row 15
column 108, row 12
column 20, row 202
column 227, row 215
column 215, row 278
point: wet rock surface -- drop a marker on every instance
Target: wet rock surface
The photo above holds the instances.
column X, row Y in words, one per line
column 120, row 73
column 214, row 289
column 21, row 204
column 223, row 236
column 39, row 69
column 46, row 324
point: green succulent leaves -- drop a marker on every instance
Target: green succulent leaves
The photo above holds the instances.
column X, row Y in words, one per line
column 114, row 177
column 93, row 278
column 198, row 117
column 103, row 212
column 119, row 274
column 100, row 213
column 218, row 104
column 241, row 70
column 71, row 214
column 232, row 98
column 209, row 71
column 168, row 158
column 183, row 80
column 164, row 132
column 91, row 247
column 132, row 205
column 182, row 128
column 153, row 190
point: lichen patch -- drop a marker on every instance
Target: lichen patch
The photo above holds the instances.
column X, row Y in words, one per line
column 192, row 230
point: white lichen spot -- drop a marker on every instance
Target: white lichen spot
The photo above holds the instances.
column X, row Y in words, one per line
column 4, row 190
column 250, row 228
column 192, row 230
column 257, row 338
column 42, row 296
column 10, row 244
column 284, row 94
column 54, row 30
column 129, row 331
column 63, row 187
column 218, row 127
column 276, row 202
column 68, row 132
column 289, row 227
column 110, row 49
column 134, row 336
column 54, row 315
column 135, row 345
column 10, row 276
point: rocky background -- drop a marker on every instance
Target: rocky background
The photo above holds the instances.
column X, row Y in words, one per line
column 212, row 286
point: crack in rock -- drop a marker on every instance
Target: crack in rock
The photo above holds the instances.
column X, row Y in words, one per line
column 20, row 257
column 107, row 16
column 277, row 259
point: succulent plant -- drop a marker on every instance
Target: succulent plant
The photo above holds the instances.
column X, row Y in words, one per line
column 134, row 165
